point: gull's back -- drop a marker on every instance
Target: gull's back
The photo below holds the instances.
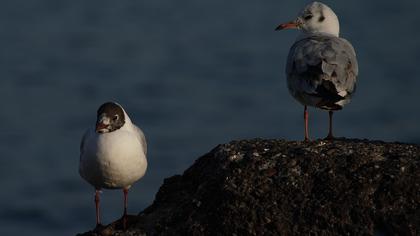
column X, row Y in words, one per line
column 321, row 71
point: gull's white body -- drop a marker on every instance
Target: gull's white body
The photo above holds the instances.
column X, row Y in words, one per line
column 113, row 160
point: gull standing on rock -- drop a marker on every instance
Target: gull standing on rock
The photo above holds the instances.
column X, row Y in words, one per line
column 321, row 67
column 113, row 153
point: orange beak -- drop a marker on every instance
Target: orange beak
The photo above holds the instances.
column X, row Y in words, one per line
column 289, row 25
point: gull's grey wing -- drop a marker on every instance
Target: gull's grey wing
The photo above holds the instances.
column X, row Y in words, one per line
column 83, row 142
column 323, row 66
column 141, row 137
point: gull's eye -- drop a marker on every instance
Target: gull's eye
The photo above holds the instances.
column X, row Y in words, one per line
column 308, row 17
column 115, row 117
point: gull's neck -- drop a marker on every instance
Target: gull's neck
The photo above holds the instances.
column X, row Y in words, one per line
column 306, row 34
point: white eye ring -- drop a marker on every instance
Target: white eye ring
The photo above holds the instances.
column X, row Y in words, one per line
column 115, row 117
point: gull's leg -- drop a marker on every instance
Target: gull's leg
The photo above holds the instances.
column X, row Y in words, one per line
column 97, row 192
column 125, row 190
column 305, row 118
column 330, row 132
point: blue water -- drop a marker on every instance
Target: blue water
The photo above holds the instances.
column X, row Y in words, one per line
column 192, row 74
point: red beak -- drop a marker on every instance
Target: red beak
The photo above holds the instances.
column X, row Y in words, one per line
column 289, row 25
column 100, row 126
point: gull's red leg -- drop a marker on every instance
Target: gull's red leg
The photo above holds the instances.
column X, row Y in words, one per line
column 125, row 190
column 330, row 132
column 305, row 118
column 97, row 192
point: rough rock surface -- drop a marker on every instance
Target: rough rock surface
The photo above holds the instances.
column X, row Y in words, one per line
column 278, row 187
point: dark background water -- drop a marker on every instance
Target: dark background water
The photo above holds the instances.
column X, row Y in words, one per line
column 191, row 74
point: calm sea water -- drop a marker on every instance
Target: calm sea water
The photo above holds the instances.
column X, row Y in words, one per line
column 192, row 74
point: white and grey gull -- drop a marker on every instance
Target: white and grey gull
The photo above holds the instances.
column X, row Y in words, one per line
column 112, row 153
column 321, row 67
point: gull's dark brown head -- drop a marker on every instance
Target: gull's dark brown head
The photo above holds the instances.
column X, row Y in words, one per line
column 110, row 117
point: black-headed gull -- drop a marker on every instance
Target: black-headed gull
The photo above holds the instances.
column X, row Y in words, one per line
column 321, row 67
column 112, row 153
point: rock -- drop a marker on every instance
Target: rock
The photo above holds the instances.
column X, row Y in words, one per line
column 278, row 187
